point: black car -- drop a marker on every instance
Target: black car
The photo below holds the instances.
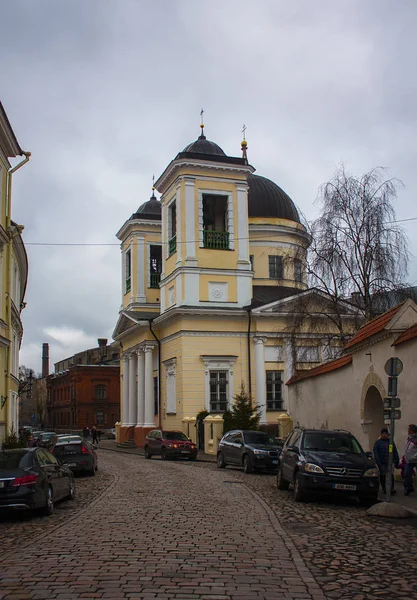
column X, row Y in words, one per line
column 78, row 455
column 33, row 478
column 251, row 450
column 327, row 461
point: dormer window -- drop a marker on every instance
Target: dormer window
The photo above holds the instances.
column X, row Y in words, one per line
column 215, row 222
column 155, row 266
column 172, row 228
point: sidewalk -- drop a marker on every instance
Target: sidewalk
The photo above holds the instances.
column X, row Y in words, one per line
column 408, row 502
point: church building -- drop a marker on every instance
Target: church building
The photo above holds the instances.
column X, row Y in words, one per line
column 212, row 273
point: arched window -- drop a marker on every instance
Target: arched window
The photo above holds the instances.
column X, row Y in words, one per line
column 100, row 417
column 101, row 391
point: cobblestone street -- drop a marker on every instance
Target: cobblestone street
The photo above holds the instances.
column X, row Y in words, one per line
column 151, row 529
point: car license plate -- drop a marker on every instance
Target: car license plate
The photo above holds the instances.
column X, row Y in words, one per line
column 72, row 464
column 185, row 452
column 1, row 484
column 344, row 486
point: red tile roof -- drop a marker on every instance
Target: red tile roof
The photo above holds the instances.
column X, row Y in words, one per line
column 373, row 327
column 327, row 367
column 406, row 335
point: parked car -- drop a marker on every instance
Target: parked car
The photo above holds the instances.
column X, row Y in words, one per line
column 46, row 439
column 66, row 437
column 32, row 478
column 327, row 461
column 249, row 449
column 79, row 456
column 111, row 434
column 169, row 444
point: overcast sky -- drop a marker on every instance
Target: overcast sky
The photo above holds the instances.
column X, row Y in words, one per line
column 104, row 93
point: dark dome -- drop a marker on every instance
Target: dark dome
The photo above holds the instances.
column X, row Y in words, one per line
column 267, row 199
column 203, row 146
column 149, row 210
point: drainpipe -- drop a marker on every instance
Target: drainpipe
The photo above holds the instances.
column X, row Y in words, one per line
column 11, row 235
column 159, row 376
column 248, row 344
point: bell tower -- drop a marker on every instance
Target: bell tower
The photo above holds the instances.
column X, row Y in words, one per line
column 205, row 239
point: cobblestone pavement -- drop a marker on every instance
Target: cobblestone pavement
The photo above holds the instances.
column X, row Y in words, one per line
column 186, row 531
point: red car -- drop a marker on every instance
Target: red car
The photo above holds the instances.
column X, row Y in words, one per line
column 169, row 444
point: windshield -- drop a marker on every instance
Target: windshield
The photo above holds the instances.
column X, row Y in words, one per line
column 18, row 459
column 332, row 442
column 175, row 435
column 260, row 438
column 47, row 436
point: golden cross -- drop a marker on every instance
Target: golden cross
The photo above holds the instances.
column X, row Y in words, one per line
column 202, row 117
column 244, row 131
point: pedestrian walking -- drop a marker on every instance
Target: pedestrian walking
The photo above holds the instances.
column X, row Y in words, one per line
column 99, row 434
column 86, row 432
column 94, row 434
column 381, row 454
column 410, row 457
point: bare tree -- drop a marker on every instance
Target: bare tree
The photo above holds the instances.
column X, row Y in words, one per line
column 358, row 249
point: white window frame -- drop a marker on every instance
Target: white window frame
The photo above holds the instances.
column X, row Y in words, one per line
column 171, row 385
column 218, row 363
column 230, row 216
column 169, row 235
column 281, row 375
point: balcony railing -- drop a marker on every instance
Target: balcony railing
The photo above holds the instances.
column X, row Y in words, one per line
column 217, row 240
column 128, row 284
column 155, row 279
column 172, row 245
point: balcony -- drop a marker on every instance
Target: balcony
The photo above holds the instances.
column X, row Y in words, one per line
column 216, row 240
column 154, row 280
column 128, row 285
column 172, row 245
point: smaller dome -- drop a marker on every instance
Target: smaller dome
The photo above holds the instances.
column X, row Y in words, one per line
column 149, row 210
column 267, row 199
column 203, row 146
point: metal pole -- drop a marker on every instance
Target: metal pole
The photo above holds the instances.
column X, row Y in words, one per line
column 388, row 476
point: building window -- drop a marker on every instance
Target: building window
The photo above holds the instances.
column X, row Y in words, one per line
column 128, row 271
column 215, row 216
column 298, row 271
column 307, row 353
column 252, row 262
column 155, row 266
column 101, row 391
column 275, row 267
column 274, row 400
column 100, row 417
column 172, row 228
column 218, row 391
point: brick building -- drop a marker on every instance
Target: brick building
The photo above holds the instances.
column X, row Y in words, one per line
column 83, row 393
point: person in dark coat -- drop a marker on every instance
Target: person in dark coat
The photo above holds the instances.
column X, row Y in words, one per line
column 94, row 434
column 86, row 432
column 381, row 454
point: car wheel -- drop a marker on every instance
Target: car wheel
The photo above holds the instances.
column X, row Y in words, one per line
column 92, row 472
column 282, row 484
column 299, row 494
column 71, row 494
column 247, row 464
column 147, row 453
column 49, row 502
column 164, row 454
column 220, row 461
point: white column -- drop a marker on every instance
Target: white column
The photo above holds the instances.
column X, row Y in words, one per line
column 141, row 388
column 190, row 235
column 141, row 268
column 179, row 225
column 125, row 391
column 132, row 390
column 149, row 397
column 260, row 384
column 242, row 227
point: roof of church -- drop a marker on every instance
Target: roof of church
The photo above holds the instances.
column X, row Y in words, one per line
column 408, row 334
column 373, row 327
column 343, row 361
column 149, row 210
column 267, row 199
column 265, row 294
column 204, row 146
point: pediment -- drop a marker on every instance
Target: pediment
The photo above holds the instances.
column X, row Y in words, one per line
column 404, row 318
column 311, row 301
column 129, row 319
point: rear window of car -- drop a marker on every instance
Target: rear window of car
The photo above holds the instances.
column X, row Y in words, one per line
column 15, row 460
column 175, row 435
column 65, row 448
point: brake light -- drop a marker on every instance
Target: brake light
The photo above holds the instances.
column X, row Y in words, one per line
column 85, row 450
column 25, row 480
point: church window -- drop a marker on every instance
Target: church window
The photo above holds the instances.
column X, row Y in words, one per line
column 218, row 391
column 155, row 266
column 275, row 267
column 128, row 271
column 298, row 272
column 307, row 354
column 215, row 217
column 101, row 391
column 274, row 399
column 172, row 228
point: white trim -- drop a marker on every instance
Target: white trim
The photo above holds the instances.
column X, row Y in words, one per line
column 171, row 385
column 218, row 291
column 140, row 268
column 168, row 223
column 218, row 363
column 149, row 244
column 230, row 215
column 190, row 237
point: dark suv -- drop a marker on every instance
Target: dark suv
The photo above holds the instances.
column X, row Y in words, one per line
column 169, row 444
column 332, row 462
column 248, row 449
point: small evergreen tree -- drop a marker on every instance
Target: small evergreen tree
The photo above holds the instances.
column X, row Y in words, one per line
column 227, row 421
column 245, row 414
column 11, row 441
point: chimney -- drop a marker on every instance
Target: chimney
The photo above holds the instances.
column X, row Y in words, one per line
column 45, row 360
column 102, row 342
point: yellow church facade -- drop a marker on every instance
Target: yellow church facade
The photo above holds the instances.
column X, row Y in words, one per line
column 211, row 273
